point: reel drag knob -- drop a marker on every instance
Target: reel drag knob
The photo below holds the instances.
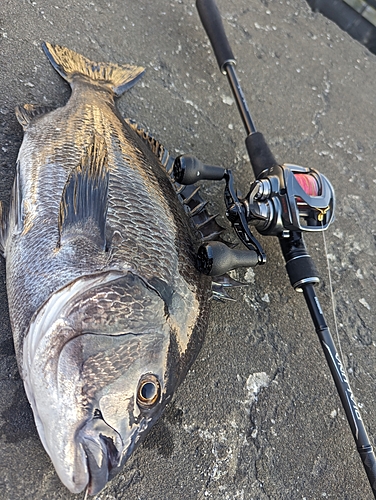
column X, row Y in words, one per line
column 216, row 258
column 188, row 169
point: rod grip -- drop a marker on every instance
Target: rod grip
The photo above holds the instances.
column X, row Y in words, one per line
column 212, row 23
column 259, row 153
column 300, row 266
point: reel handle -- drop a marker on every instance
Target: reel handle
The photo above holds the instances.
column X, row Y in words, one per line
column 188, row 169
column 212, row 23
column 216, row 258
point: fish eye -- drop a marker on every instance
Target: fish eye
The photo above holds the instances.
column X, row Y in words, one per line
column 149, row 391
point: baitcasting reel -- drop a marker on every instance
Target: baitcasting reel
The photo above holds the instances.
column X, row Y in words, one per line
column 284, row 199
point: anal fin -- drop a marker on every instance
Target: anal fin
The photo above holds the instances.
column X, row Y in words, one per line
column 83, row 206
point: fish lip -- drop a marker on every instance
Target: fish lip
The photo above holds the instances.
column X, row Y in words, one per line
column 98, row 474
column 104, row 453
column 99, row 479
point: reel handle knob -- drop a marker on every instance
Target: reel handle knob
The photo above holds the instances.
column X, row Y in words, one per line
column 188, row 169
column 216, row 258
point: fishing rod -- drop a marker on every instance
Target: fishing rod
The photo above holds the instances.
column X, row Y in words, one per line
column 283, row 201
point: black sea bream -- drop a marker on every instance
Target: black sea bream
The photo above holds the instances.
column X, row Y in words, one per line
column 107, row 308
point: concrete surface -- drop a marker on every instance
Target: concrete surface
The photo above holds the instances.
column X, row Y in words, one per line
column 357, row 18
column 258, row 416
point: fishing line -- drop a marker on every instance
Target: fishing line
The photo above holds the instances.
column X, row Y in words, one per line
column 86, row 494
column 332, row 297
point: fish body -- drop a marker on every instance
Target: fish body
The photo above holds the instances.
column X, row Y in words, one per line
column 107, row 309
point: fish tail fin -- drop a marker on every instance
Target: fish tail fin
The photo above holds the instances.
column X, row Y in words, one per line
column 68, row 64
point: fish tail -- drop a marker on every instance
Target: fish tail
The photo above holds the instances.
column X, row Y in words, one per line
column 69, row 64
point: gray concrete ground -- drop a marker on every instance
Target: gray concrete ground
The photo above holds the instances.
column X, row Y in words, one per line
column 312, row 93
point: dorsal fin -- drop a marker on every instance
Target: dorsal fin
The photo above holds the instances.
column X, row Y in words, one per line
column 190, row 197
column 83, row 207
column 220, row 285
column 156, row 147
column 26, row 113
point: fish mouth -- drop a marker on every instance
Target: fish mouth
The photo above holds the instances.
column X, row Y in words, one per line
column 105, row 453
column 101, row 458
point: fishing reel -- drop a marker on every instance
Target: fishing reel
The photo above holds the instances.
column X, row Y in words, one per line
column 290, row 198
column 284, row 200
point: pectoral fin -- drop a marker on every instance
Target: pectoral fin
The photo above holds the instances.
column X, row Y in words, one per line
column 83, row 207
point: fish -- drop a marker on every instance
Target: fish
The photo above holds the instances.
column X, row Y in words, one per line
column 108, row 310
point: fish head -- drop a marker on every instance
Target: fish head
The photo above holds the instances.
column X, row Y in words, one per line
column 98, row 369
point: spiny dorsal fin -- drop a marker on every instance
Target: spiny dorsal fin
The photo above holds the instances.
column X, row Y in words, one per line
column 194, row 205
column 83, row 207
column 26, row 113
column 156, row 147
column 220, row 286
column 117, row 77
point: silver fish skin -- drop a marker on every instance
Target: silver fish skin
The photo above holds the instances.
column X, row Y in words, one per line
column 107, row 309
